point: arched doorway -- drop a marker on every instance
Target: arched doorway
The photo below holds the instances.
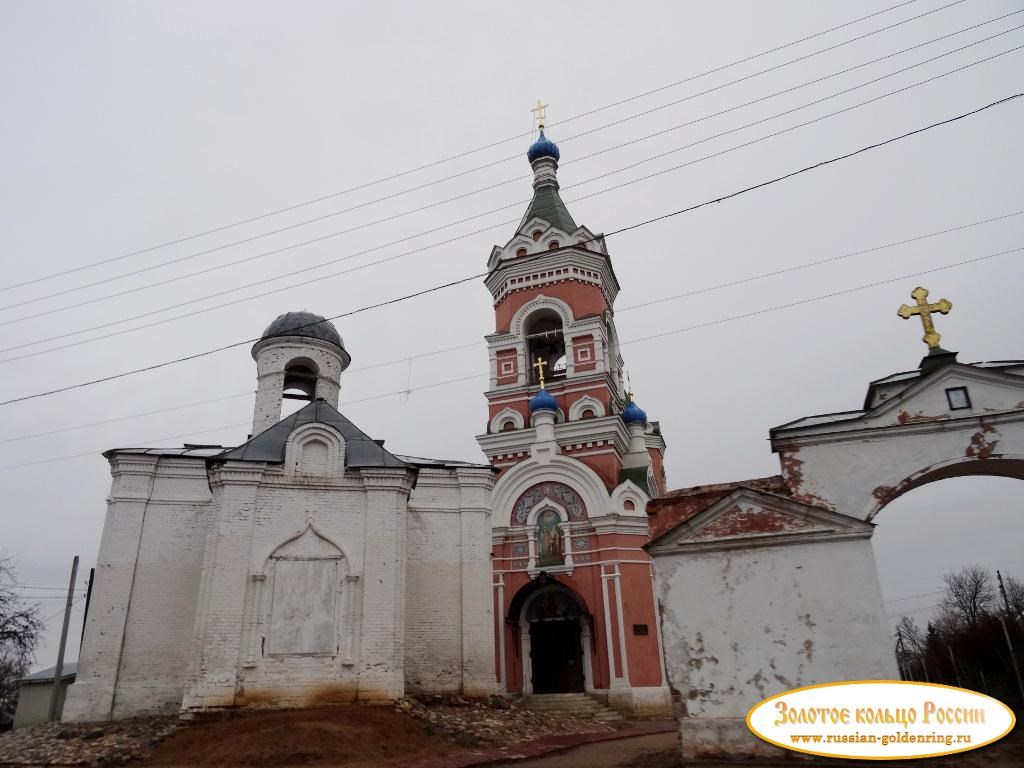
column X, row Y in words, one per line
column 554, row 630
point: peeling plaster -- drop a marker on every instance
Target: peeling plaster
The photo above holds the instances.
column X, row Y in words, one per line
column 981, row 447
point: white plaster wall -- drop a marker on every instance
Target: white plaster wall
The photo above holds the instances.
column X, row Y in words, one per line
column 854, row 467
column 136, row 650
column 740, row 625
column 857, row 479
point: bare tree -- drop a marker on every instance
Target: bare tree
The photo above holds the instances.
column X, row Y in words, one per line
column 912, row 636
column 969, row 596
column 20, row 630
column 1015, row 596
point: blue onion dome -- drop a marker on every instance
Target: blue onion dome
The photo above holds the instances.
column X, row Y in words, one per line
column 304, row 324
column 542, row 147
column 634, row 414
column 543, row 401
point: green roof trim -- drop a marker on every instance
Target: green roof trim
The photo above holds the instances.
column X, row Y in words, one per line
column 639, row 476
column 547, row 205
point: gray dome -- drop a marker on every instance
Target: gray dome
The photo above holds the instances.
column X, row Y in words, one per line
column 304, row 324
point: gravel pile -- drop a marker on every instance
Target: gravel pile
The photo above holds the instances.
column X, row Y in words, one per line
column 493, row 721
column 91, row 744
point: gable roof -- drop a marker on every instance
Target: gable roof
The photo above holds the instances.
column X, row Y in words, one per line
column 360, row 449
column 994, row 373
column 768, row 519
column 674, row 508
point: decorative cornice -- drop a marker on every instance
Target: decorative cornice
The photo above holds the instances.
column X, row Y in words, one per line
column 780, row 442
column 608, row 429
column 577, row 262
column 399, row 480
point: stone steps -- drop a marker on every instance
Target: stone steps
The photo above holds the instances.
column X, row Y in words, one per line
column 579, row 704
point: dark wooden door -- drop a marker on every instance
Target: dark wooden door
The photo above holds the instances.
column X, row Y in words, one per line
column 556, row 655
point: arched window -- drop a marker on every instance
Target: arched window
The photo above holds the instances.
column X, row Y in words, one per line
column 536, row 234
column 588, row 413
column 508, row 426
column 545, row 340
column 553, row 245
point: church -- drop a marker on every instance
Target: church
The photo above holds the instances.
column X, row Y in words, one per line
column 311, row 565
column 307, row 566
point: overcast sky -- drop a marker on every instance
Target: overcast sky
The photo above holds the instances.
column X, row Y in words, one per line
column 128, row 125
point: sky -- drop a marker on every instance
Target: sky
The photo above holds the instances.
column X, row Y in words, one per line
column 131, row 129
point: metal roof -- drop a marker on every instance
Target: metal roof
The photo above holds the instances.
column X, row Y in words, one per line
column 548, row 205
column 360, row 449
column 196, row 451
column 46, row 675
column 420, row 461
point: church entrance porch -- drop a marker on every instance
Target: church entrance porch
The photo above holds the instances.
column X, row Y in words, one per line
column 556, row 656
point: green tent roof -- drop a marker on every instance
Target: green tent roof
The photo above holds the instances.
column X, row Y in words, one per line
column 547, row 205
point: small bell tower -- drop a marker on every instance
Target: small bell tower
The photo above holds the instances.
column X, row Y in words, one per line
column 299, row 357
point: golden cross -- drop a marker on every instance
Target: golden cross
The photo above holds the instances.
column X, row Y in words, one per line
column 924, row 309
column 540, row 365
column 629, row 387
column 539, row 114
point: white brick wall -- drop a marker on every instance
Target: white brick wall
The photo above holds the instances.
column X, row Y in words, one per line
column 139, row 629
column 181, row 605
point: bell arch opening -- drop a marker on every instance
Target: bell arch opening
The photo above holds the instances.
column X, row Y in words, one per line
column 299, row 386
column 545, row 340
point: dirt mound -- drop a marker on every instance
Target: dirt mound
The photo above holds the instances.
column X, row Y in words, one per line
column 330, row 736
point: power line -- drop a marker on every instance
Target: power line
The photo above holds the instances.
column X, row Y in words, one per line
column 913, row 597
column 490, row 187
column 916, row 610
column 832, row 295
column 465, row 153
column 48, row 619
column 426, row 247
column 699, row 326
column 30, row 586
column 477, row 344
column 631, row 227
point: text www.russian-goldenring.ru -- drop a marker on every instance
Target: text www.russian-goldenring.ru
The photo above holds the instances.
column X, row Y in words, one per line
column 885, row 739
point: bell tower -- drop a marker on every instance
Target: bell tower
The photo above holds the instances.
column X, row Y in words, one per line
column 554, row 289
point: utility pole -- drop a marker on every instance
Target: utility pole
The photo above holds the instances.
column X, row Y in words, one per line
column 88, row 599
column 1006, row 632
column 58, row 671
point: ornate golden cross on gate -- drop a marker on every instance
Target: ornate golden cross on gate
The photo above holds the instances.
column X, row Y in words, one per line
column 924, row 309
column 540, row 365
column 539, row 114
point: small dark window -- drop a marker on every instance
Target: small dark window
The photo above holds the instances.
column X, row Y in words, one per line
column 536, row 234
column 640, row 629
column 508, row 426
column 521, row 252
column 553, row 245
column 588, row 413
column 958, row 398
